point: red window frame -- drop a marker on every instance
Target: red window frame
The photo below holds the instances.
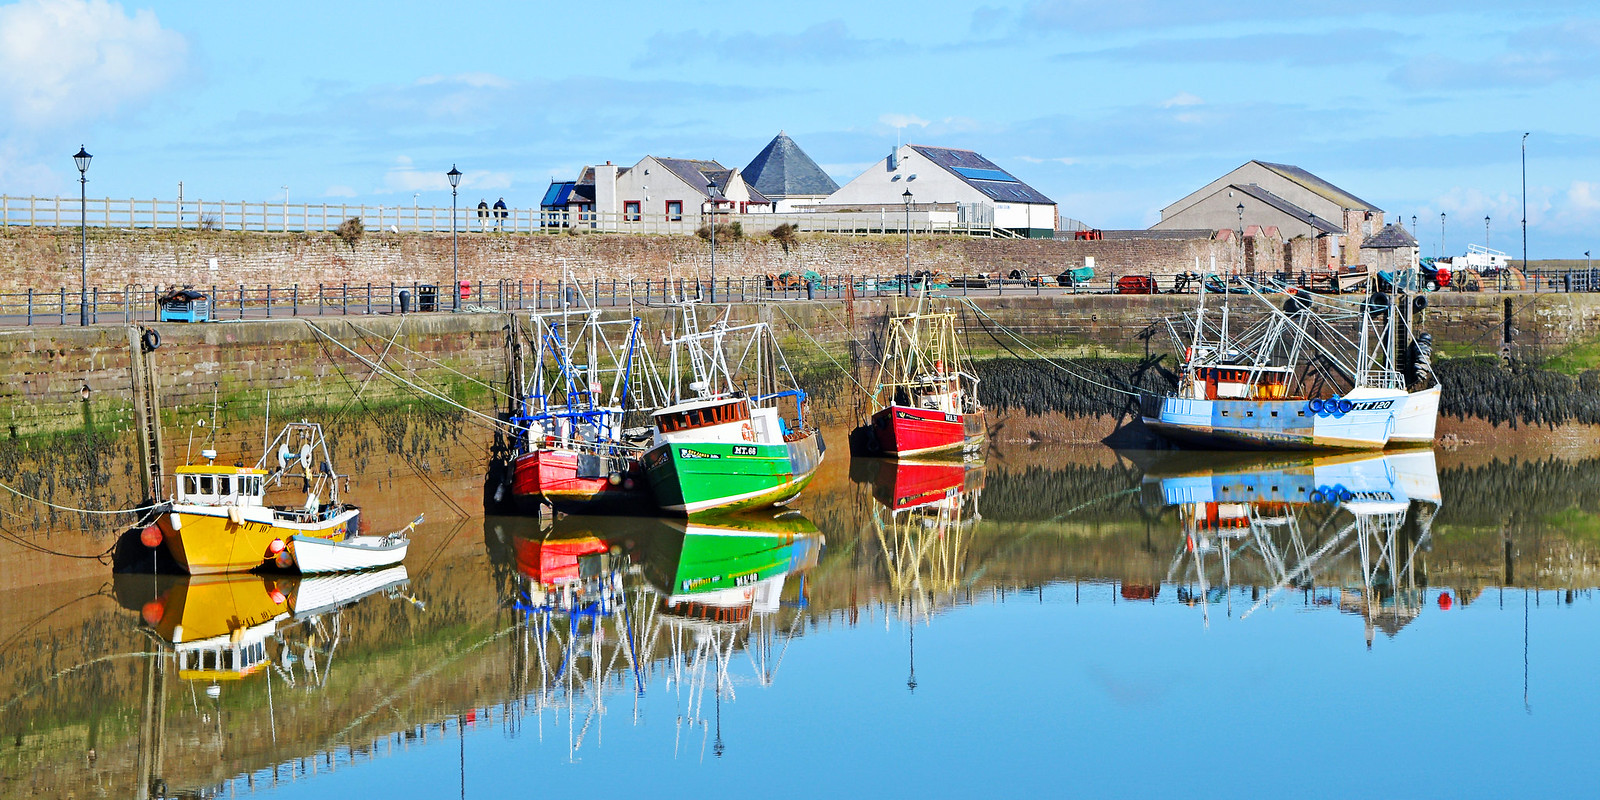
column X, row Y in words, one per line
column 674, row 210
column 631, row 211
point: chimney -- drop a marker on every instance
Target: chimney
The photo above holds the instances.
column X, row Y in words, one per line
column 605, row 194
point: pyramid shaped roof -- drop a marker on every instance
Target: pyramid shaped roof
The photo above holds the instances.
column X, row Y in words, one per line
column 782, row 169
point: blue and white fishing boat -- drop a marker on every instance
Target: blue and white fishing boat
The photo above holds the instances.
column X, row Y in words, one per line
column 1316, row 373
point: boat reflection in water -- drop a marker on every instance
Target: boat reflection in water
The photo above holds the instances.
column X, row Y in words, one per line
column 924, row 525
column 613, row 603
column 218, row 627
column 1301, row 525
column 227, row 628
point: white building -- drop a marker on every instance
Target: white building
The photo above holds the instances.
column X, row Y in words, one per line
column 658, row 194
column 976, row 189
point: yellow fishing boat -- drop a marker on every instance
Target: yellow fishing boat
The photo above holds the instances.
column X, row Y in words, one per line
column 219, row 519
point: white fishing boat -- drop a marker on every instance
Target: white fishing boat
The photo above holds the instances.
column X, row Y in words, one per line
column 1318, row 373
column 313, row 554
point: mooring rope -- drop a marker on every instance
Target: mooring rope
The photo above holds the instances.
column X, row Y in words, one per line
column 377, row 367
column 824, row 351
column 395, row 343
column 26, row 496
column 1036, row 354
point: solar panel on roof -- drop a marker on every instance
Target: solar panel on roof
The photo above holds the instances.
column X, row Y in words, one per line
column 984, row 174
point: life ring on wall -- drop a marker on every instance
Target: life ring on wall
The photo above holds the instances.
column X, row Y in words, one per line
column 747, row 432
column 151, row 339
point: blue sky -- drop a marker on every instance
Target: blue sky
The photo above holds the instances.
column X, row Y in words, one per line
column 1112, row 109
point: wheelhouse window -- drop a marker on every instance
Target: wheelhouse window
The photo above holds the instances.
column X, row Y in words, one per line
column 631, row 211
column 703, row 417
column 675, row 210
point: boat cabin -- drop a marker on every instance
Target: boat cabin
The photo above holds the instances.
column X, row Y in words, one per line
column 212, row 485
column 721, row 420
column 1241, row 382
column 237, row 654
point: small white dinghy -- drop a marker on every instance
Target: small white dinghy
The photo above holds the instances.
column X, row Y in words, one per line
column 312, row 554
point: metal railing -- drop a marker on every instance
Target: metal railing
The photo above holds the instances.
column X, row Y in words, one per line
column 60, row 306
column 281, row 217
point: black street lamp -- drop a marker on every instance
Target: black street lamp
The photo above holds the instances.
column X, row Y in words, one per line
column 1524, row 202
column 1240, row 209
column 1442, row 252
column 455, row 253
column 711, row 194
column 907, row 198
column 82, row 160
column 1486, row 231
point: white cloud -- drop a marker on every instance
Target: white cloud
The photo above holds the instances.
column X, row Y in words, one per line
column 1182, row 100
column 903, row 120
column 477, row 80
column 338, row 191
column 405, row 178
column 67, row 60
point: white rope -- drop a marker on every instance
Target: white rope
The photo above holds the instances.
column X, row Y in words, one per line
column 1037, row 354
column 25, row 496
column 395, row 343
column 824, row 351
column 376, row 367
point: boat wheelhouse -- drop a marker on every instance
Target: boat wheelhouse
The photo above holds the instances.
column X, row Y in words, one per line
column 925, row 403
column 736, row 435
column 218, row 520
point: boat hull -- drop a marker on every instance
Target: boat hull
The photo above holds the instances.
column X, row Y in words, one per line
column 1417, row 419
column 701, row 477
column 206, row 540
column 902, row 431
column 556, row 476
column 313, row 554
column 1276, row 424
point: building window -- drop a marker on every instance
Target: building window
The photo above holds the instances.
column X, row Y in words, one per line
column 630, row 211
column 675, row 210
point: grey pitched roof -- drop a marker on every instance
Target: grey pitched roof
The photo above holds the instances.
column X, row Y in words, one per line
column 695, row 172
column 1324, row 225
column 982, row 174
column 1391, row 237
column 1320, row 186
column 782, row 169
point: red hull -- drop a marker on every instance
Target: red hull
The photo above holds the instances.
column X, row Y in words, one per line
column 905, row 431
column 554, row 562
column 901, row 486
column 551, row 476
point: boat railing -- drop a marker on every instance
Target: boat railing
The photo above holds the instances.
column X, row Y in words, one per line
column 1383, row 379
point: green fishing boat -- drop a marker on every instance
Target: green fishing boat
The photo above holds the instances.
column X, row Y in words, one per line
column 723, row 569
column 736, row 437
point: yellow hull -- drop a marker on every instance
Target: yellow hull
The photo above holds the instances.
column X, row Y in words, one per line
column 206, row 540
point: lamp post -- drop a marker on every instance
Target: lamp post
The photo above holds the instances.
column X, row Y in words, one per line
column 1486, row 231
column 711, row 195
column 455, row 254
column 82, row 160
column 1441, row 234
column 907, row 197
column 1524, row 203
column 1240, row 209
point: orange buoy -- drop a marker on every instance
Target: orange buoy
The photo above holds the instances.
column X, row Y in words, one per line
column 276, row 547
column 153, row 611
column 150, row 536
column 1445, row 601
column 276, row 596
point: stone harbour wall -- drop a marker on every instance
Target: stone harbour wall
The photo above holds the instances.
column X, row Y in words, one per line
column 48, row 259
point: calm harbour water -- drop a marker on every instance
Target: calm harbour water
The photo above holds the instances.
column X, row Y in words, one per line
column 1055, row 621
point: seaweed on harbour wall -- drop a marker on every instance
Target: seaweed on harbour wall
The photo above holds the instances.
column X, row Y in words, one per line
column 1093, row 387
column 1484, row 388
column 1518, row 490
column 90, row 469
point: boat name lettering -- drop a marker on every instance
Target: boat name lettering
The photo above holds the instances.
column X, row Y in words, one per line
column 744, row 450
column 950, row 418
column 747, row 579
column 1372, row 405
column 695, row 583
column 684, row 452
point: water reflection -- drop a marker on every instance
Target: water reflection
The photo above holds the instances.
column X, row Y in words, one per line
column 686, row 635
column 1282, row 527
column 610, row 605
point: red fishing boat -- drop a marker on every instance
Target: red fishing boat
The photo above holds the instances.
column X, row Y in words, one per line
column 569, row 451
column 925, row 402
